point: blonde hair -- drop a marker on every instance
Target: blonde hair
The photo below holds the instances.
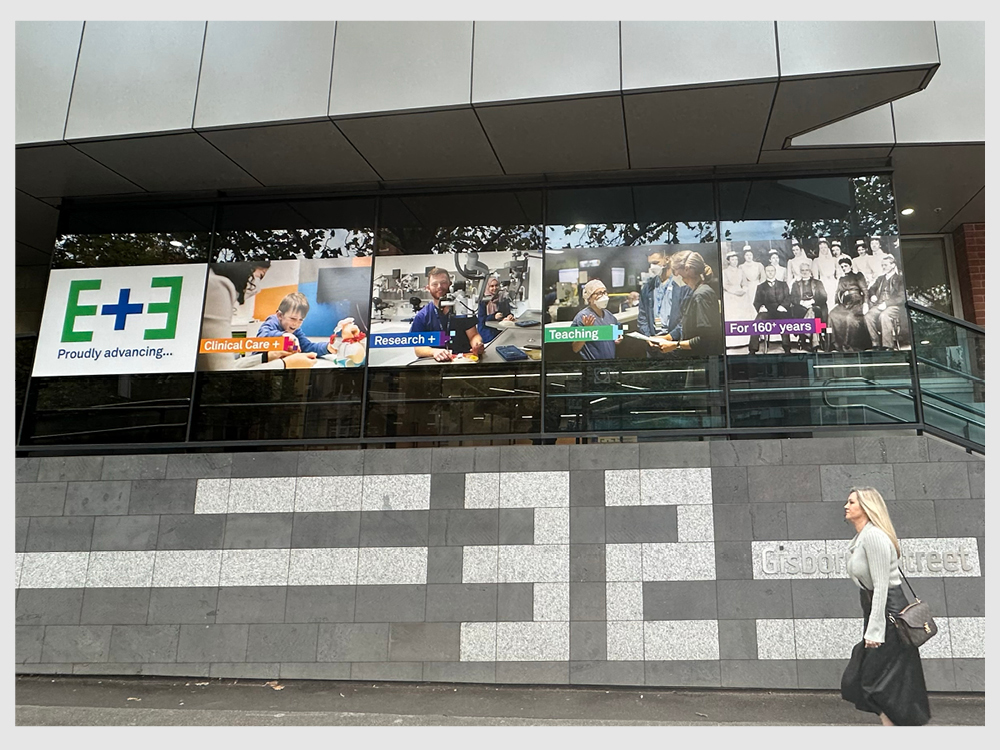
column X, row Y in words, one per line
column 873, row 504
column 692, row 262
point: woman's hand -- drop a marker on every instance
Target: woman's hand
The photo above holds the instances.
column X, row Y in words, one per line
column 871, row 644
column 588, row 320
column 509, row 317
column 668, row 346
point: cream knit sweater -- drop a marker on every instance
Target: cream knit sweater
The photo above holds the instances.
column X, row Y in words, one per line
column 873, row 565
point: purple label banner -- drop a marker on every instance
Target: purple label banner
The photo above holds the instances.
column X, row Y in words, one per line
column 791, row 326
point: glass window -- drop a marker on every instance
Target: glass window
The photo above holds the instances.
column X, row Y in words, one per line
column 930, row 279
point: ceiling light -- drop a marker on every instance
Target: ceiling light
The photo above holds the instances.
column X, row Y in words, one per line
column 925, row 342
column 906, row 211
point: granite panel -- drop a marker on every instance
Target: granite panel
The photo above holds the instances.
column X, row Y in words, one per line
column 243, row 671
column 970, row 675
column 335, row 566
column 125, row 533
column 28, row 644
column 624, row 562
column 150, row 497
column 820, row 674
column 53, row 534
column 20, row 533
column 450, row 671
column 683, row 674
column 744, row 600
column 120, row 569
column 733, row 561
column 396, row 492
column 942, row 450
column 695, row 523
column 314, row 671
column 588, row 641
column 461, row 602
column 100, row 498
column 914, row 518
column 66, row 468
column 891, row 450
column 587, row 562
column 190, row 532
column 817, row 521
column 187, row 568
column 586, row 525
column 258, row 531
column 212, row 643
column 452, row 460
column 134, row 467
column 319, row 604
column 482, row 490
column 674, row 454
column 280, row 643
column 515, row 602
column 551, row 526
column 517, row 526
column 326, row 529
column 26, row 469
column 738, row 639
column 487, row 459
column 730, row 485
column 775, row 639
column 424, row 641
column 330, row 463
column 681, row 561
column 745, row 452
column 478, row 641
column 625, row 640
column 534, row 489
column 254, row 567
column 534, row 458
column 958, row 518
column 397, row 671
column 18, row 564
column 460, row 527
column 681, row 640
column 939, row 674
column 533, row 673
column 390, row 604
column 630, row 525
column 267, row 495
column 448, row 490
column 586, row 488
column 600, row 673
column 41, row 499
column 691, row 486
column 144, row 643
column 211, row 496
column 917, row 559
column 54, row 570
column 784, row 484
column 523, row 564
column 400, row 528
column 759, row 674
column 587, row 600
column 732, row 523
column 479, row 564
column 199, row 465
column 977, row 479
column 679, row 600
column 265, row 464
column 968, row 637
column 836, row 481
column 48, row 606
column 933, row 481
column 965, row 597
column 533, row 641
column 251, row 604
column 362, row 642
column 327, row 494
column 397, row 461
column 832, row 597
column 400, row 565
column 182, row 605
column 833, row 450
column 604, row 456
column 624, row 600
column 76, row 643
column 551, row 602
column 770, row 520
column 444, row 565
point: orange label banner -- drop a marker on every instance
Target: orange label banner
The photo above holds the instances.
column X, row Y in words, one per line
column 242, row 345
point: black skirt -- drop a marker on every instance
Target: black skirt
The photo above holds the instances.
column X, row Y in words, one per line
column 888, row 679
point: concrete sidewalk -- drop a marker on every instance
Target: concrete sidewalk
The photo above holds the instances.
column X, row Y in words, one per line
column 45, row 700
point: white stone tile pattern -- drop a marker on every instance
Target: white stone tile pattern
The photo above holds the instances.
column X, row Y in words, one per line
column 678, row 561
column 621, row 487
column 681, row 640
column 968, row 637
column 827, row 638
column 396, row 492
column 328, row 494
column 479, row 563
column 254, row 567
column 941, row 646
column 625, row 641
column 534, row 489
column 675, row 486
column 695, row 523
column 478, row 641
column 262, row 495
column 551, row 526
column 18, row 564
column 775, row 639
column 120, row 569
column 54, row 570
column 176, row 568
column 522, row 563
column 624, row 600
column 336, row 566
column 623, row 562
column 482, row 490
column 532, row 641
column 387, row 565
column 212, row 496
column 551, row 602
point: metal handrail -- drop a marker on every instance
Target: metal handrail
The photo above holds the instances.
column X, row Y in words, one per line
column 951, row 370
column 945, row 317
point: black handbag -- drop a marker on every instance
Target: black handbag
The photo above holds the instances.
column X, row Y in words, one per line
column 915, row 623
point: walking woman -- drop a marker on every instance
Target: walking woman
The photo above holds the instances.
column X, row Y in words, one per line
column 884, row 676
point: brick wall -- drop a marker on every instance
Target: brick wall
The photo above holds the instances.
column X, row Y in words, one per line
column 618, row 564
column 970, row 256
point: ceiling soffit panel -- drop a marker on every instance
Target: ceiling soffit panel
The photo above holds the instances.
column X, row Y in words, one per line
column 873, row 127
column 423, row 145
column 306, row 154
column 26, row 255
column 806, row 155
column 35, row 222
column 697, row 127
column 45, row 54
column 497, row 208
column 806, row 104
column 55, row 171
column 973, row 212
column 577, row 135
column 167, row 163
column 931, row 177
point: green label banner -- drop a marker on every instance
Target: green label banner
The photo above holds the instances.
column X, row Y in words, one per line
column 581, row 333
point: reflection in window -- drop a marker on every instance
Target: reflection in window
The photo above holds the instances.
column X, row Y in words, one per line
column 928, row 279
column 129, row 249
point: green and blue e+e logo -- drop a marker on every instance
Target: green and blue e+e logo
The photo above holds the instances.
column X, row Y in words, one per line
column 122, row 308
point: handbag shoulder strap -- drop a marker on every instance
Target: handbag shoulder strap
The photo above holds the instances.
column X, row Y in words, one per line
column 901, row 573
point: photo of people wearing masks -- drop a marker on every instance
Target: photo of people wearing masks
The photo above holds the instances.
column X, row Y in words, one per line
column 596, row 314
